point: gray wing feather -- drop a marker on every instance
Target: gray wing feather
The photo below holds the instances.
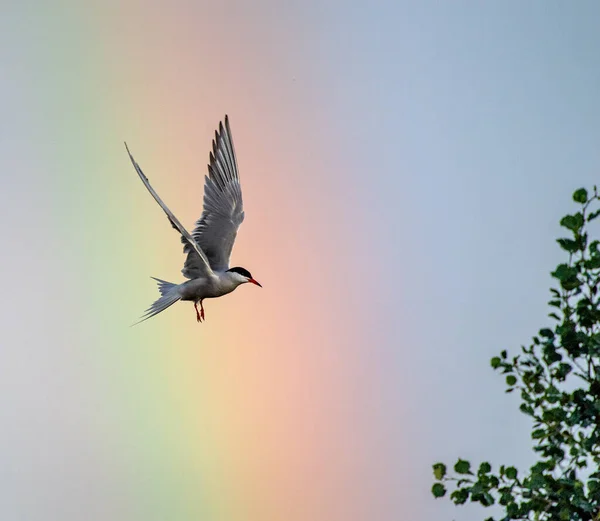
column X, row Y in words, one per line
column 223, row 213
column 196, row 257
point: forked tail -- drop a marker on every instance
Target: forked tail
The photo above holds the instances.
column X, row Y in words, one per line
column 168, row 296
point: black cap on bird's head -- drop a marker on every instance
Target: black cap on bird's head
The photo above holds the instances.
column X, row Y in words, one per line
column 244, row 273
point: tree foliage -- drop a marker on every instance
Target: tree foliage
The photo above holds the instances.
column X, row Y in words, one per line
column 558, row 379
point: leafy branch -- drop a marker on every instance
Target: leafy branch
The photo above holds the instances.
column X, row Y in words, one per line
column 558, row 379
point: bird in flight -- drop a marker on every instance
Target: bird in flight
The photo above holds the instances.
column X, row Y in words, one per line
column 209, row 246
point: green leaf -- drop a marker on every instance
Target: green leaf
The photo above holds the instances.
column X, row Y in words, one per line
column 564, row 272
column 527, row 409
column 593, row 263
column 484, row 468
column 438, row 490
column 563, row 370
column 487, row 500
column 439, row 471
column 511, row 380
column 569, row 245
column 538, row 433
column 550, row 354
column 548, row 333
column 580, row 196
column 460, row 496
column 495, row 362
column 572, row 222
column 462, row 467
column 567, row 276
column 593, row 215
column 511, row 472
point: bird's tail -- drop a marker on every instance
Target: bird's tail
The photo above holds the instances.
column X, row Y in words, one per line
column 168, row 296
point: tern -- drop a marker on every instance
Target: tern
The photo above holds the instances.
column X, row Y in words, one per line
column 209, row 246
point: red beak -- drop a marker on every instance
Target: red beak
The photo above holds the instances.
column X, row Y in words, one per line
column 255, row 282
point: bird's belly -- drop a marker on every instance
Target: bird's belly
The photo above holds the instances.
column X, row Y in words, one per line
column 197, row 289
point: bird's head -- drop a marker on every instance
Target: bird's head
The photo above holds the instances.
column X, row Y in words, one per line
column 241, row 276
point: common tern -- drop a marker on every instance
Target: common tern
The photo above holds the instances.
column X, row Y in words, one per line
column 209, row 246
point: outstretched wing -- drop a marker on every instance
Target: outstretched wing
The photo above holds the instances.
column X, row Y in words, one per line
column 223, row 213
column 199, row 263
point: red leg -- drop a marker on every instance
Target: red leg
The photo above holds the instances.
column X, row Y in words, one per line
column 198, row 316
column 201, row 310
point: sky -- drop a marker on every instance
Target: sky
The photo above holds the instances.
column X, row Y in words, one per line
column 404, row 168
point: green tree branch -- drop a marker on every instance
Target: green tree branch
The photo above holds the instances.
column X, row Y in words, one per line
column 558, row 379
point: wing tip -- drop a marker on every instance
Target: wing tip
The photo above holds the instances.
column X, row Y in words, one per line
column 135, row 165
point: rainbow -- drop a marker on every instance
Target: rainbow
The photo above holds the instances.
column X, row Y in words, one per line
column 250, row 416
